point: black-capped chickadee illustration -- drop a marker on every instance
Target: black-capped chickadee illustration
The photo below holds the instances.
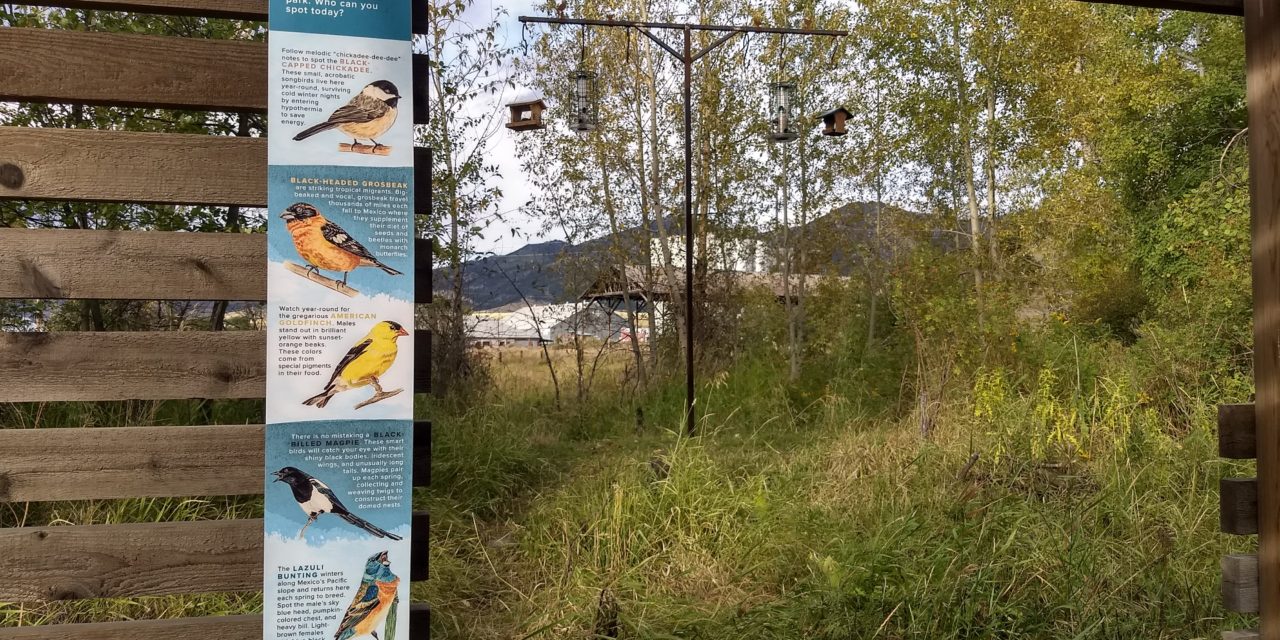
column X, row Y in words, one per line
column 367, row 116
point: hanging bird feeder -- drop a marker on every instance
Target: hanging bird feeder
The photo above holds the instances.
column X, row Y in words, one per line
column 782, row 126
column 835, row 122
column 586, row 107
column 526, row 115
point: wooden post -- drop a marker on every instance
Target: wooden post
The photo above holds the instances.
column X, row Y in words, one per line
column 1262, row 44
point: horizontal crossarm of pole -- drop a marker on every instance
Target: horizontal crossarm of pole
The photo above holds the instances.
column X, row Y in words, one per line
column 587, row 22
column 1224, row 7
column 661, row 43
column 711, row 47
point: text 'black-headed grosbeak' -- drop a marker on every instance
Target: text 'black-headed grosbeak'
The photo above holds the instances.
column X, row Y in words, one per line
column 366, row 117
column 325, row 245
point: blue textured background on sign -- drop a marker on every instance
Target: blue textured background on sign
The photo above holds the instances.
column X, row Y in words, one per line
column 389, row 19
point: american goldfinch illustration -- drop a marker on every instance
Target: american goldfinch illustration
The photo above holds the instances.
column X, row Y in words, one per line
column 363, row 365
column 375, row 602
column 325, row 245
column 315, row 498
column 366, row 117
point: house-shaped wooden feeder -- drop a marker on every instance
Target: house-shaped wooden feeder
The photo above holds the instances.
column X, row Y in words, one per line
column 834, row 122
column 526, row 115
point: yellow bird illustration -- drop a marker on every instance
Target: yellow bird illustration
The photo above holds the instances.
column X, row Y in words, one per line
column 363, row 365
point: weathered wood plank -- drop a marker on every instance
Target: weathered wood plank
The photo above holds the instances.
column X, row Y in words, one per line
column 422, row 453
column 118, row 166
column 115, row 69
column 422, row 362
column 1240, row 583
column 71, row 264
column 235, row 9
column 157, row 168
column 126, row 560
column 420, row 561
column 1237, row 438
column 132, row 265
column 1239, row 500
column 180, row 629
column 45, row 564
column 1224, row 7
column 52, row 65
column 1262, row 65
column 177, row 629
column 1245, row 634
column 40, row 465
column 423, row 257
column 156, row 365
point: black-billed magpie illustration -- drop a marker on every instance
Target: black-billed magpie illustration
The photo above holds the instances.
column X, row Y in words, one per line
column 315, row 498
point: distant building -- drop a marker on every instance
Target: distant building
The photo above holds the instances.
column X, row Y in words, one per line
column 743, row 255
column 523, row 327
column 551, row 323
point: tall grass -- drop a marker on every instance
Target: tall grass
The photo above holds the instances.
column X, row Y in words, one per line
column 801, row 513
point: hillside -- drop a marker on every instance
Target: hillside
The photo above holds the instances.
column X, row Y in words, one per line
column 836, row 241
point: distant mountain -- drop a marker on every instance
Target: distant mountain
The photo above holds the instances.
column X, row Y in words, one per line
column 538, row 270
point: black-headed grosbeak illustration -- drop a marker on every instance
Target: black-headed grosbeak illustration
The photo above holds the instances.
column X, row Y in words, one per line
column 325, row 245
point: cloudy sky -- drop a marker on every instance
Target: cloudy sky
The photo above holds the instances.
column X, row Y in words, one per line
column 516, row 189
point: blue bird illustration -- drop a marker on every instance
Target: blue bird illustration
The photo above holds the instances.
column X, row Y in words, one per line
column 375, row 601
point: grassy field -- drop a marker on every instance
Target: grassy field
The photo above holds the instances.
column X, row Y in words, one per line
column 805, row 510
column 818, row 520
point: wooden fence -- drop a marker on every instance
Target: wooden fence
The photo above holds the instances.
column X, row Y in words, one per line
column 42, row 564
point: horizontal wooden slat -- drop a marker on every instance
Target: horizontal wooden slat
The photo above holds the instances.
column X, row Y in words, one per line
column 419, row 621
column 127, row 560
column 132, row 265
column 236, row 9
column 1244, row 634
column 38, row 465
column 70, row 264
column 423, row 256
column 1239, row 502
column 422, row 362
column 1240, row 583
column 181, row 628
column 1225, row 7
column 156, row 365
column 114, row 69
column 420, row 560
column 52, row 65
column 1236, row 437
column 125, row 166
column 177, row 629
column 117, row 166
column 422, row 453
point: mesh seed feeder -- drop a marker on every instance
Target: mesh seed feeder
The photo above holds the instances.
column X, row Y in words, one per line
column 586, row 105
column 782, row 126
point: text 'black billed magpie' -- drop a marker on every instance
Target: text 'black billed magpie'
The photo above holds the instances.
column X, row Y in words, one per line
column 316, row 498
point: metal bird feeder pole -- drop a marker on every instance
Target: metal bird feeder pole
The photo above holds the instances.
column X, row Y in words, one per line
column 688, row 56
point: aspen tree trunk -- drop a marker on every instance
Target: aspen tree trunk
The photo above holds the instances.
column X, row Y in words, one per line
column 992, row 210
column 620, row 255
column 676, row 297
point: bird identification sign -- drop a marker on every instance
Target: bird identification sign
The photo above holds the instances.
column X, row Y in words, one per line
column 339, row 321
